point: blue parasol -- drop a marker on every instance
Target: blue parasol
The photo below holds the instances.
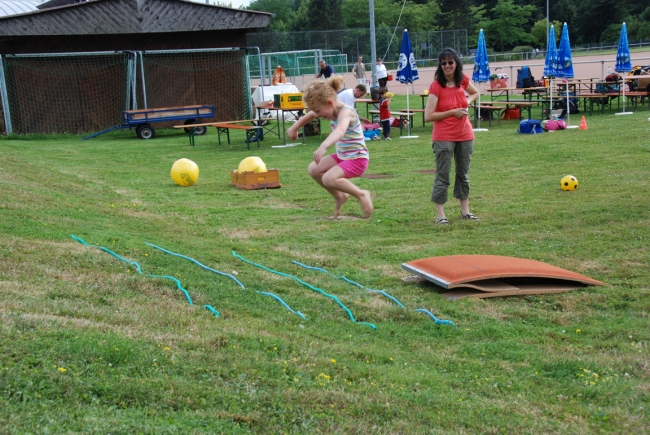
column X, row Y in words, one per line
column 564, row 66
column 481, row 72
column 481, row 63
column 550, row 64
column 407, row 70
column 623, row 61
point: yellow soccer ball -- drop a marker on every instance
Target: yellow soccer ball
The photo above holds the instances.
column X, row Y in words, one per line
column 569, row 182
column 252, row 164
column 185, row 172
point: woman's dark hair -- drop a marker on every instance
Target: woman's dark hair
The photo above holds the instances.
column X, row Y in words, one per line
column 449, row 54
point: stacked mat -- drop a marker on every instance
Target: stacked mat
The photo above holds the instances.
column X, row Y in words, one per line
column 487, row 276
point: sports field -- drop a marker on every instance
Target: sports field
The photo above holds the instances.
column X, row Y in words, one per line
column 91, row 343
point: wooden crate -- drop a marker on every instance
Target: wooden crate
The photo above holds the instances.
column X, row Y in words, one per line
column 255, row 180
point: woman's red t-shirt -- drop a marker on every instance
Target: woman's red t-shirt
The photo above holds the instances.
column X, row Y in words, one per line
column 451, row 128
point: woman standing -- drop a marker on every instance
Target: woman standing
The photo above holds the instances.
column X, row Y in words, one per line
column 382, row 73
column 450, row 95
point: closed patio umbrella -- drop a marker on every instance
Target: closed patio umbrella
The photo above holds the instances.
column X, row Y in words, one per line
column 481, row 73
column 407, row 72
column 550, row 65
column 564, row 67
column 623, row 62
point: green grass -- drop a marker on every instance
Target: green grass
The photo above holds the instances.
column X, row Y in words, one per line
column 88, row 345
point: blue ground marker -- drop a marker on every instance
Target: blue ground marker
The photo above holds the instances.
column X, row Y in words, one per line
column 139, row 269
column 308, row 286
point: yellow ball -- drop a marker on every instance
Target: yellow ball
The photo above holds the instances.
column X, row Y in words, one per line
column 185, row 172
column 569, row 182
column 252, row 164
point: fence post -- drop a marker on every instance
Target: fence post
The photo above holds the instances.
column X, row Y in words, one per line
column 5, row 99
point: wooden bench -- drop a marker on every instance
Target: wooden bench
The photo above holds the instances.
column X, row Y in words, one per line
column 403, row 116
column 489, row 109
column 253, row 132
column 516, row 103
column 597, row 98
column 415, row 111
column 635, row 96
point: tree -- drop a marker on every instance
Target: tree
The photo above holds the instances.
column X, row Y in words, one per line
column 477, row 14
column 639, row 27
column 325, row 14
column 538, row 32
column 283, row 10
column 596, row 16
column 416, row 16
column 507, row 28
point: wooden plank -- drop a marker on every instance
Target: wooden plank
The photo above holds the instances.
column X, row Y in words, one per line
column 238, row 127
column 211, row 124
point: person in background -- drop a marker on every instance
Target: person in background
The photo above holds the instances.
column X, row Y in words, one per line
column 382, row 73
column 359, row 71
column 350, row 160
column 384, row 113
column 348, row 96
column 325, row 70
column 453, row 137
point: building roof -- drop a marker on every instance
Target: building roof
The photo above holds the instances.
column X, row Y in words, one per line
column 15, row 7
column 97, row 17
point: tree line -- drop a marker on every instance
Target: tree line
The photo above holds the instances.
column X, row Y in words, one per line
column 507, row 23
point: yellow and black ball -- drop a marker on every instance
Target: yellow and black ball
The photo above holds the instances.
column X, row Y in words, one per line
column 185, row 172
column 569, row 182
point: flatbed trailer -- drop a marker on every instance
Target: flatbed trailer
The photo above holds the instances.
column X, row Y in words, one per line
column 141, row 119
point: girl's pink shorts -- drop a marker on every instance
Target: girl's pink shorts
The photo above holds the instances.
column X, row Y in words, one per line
column 353, row 167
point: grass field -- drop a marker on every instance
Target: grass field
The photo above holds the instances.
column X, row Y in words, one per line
column 89, row 345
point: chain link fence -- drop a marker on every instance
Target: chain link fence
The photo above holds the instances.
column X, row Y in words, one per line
column 356, row 42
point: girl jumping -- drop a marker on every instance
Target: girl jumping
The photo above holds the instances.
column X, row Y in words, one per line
column 351, row 158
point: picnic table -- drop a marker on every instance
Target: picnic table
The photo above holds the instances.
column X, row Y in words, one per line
column 253, row 132
column 403, row 116
column 527, row 93
column 368, row 102
column 577, row 85
column 296, row 112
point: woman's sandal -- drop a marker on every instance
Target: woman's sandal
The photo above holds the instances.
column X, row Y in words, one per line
column 442, row 221
column 469, row 216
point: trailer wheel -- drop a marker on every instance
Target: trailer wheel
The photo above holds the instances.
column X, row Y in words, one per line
column 146, row 131
column 198, row 131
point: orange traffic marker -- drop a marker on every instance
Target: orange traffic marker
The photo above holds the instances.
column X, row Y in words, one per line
column 583, row 123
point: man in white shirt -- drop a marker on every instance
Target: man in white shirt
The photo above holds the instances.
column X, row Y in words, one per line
column 347, row 96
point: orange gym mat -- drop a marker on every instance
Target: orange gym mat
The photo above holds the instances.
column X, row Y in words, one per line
column 486, row 276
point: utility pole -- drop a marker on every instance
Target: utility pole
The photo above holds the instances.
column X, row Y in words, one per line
column 373, row 47
column 547, row 23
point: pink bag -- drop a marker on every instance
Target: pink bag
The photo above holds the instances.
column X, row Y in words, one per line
column 555, row 125
column 374, row 126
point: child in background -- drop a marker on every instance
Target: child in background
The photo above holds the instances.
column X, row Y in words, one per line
column 351, row 158
column 384, row 113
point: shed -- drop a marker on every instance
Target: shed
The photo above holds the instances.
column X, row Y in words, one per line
column 100, row 25
column 189, row 53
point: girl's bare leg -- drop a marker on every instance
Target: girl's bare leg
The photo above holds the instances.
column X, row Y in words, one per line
column 335, row 179
column 317, row 171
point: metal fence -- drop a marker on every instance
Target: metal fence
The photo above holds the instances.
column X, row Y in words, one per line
column 356, row 42
column 86, row 92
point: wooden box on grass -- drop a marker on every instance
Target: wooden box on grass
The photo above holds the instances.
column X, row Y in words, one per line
column 255, row 180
